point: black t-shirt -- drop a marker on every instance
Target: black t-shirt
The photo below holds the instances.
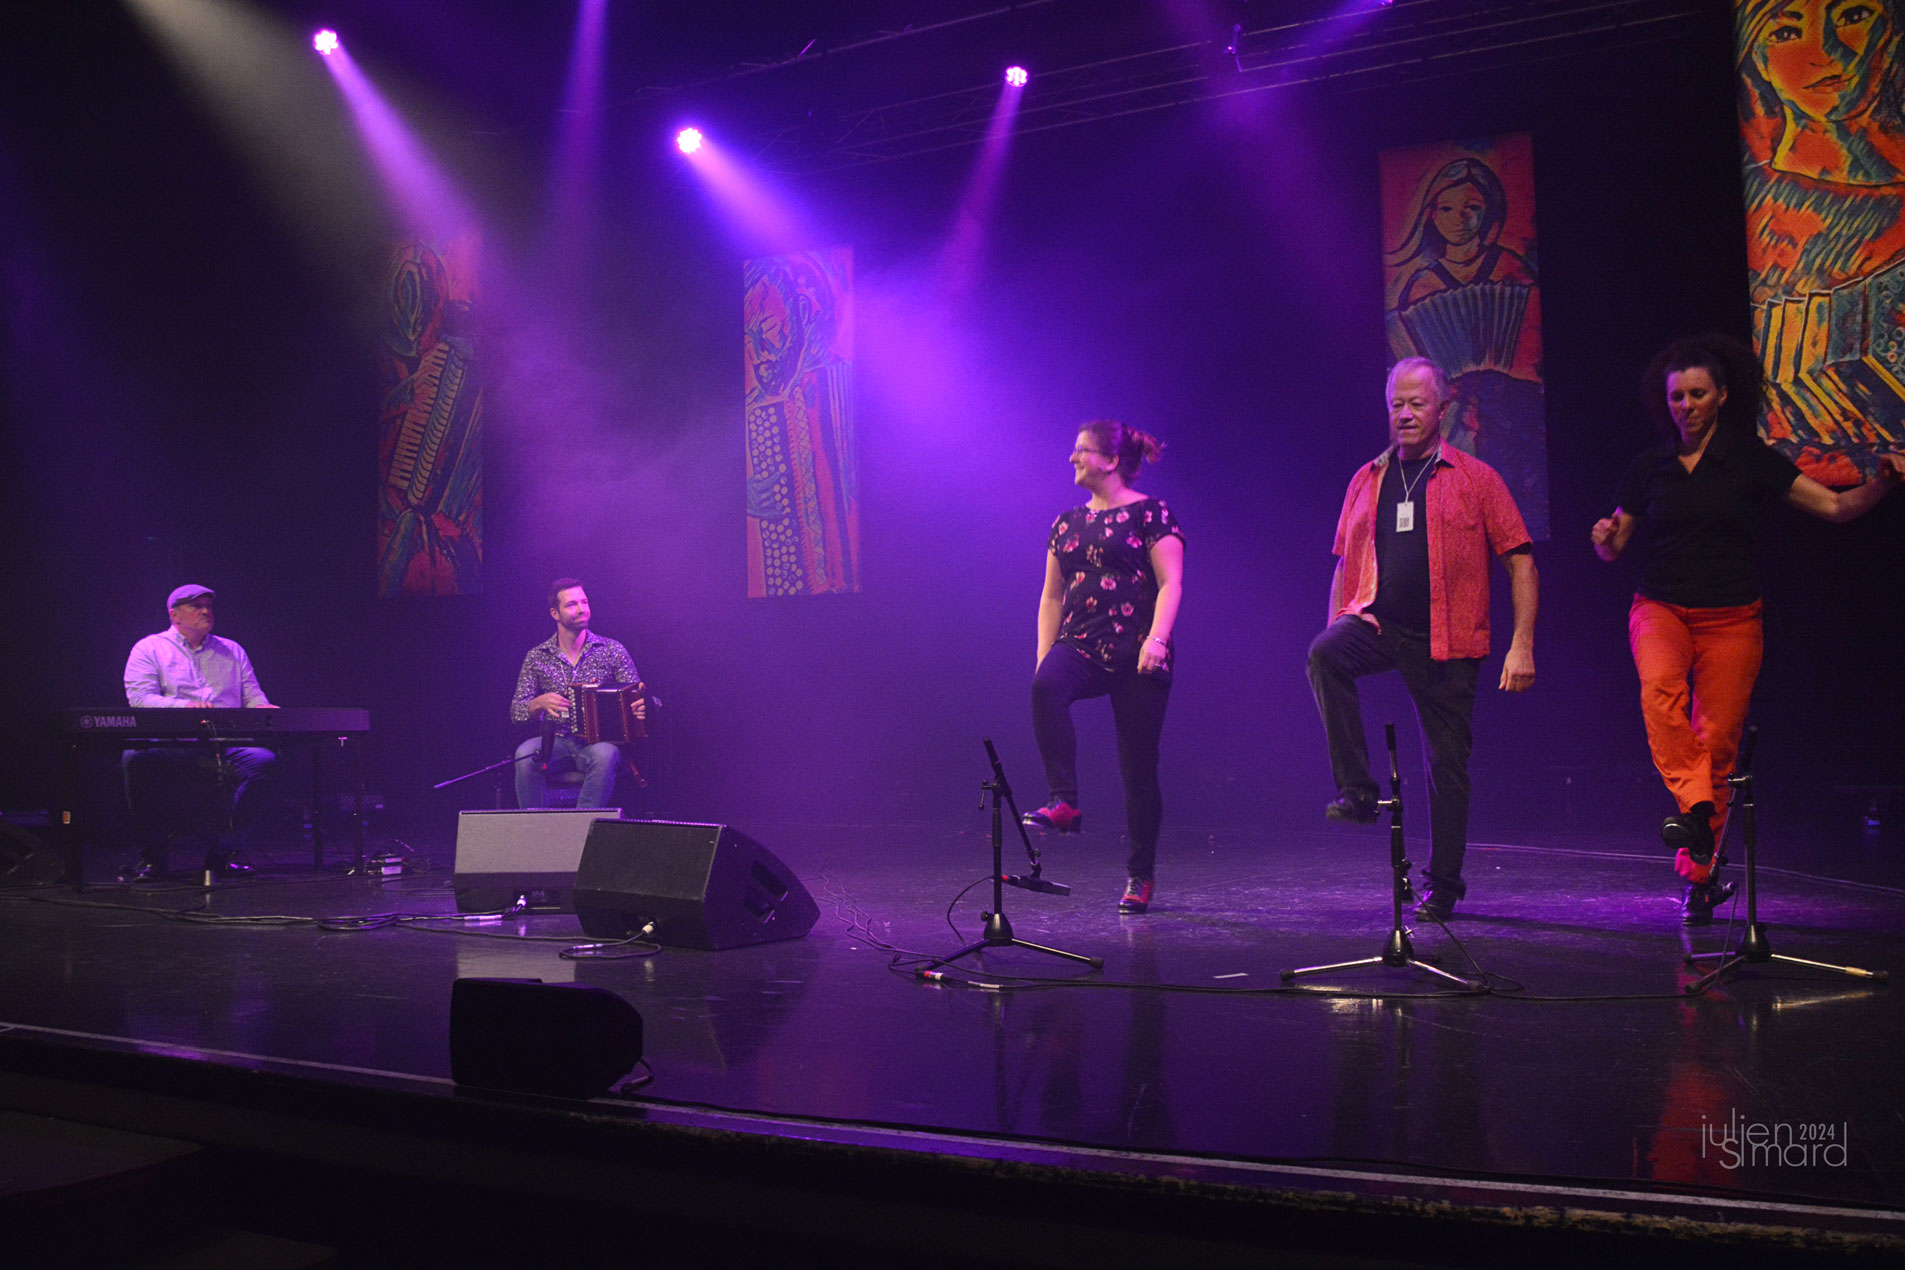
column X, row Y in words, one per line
column 1699, row 526
column 1402, row 559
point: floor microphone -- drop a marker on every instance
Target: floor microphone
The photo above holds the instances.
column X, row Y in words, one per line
column 1035, row 884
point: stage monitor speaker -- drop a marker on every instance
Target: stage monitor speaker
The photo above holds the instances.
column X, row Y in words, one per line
column 703, row 886
column 505, row 855
column 525, row 1036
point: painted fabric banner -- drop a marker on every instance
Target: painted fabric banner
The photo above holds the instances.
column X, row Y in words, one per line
column 430, row 424
column 1460, row 288
column 803, row 477
column 1822, row 134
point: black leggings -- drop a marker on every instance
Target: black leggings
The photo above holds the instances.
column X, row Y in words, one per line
column 1137, row 709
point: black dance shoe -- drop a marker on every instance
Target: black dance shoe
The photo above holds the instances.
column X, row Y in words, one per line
column 1691, row 831
column 1435, row 908
column 1702, row 898
column 1351, row 807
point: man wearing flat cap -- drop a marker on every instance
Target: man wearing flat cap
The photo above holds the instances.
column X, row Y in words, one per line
column 185, row 666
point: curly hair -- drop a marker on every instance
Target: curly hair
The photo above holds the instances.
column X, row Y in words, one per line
column 1735, row 369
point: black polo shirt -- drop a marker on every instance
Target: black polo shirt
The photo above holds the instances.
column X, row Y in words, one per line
column 1699, row 526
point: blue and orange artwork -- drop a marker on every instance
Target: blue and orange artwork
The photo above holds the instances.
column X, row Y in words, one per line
column 1460, row 287
column 803, row 477
column 1822, row 138
column 430, row 424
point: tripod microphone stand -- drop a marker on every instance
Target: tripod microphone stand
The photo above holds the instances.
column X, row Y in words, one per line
column 1755, row 948
column 998, row 930
column 1398, row 952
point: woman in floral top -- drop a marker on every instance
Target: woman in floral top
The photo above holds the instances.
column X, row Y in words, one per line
column 1114, row 575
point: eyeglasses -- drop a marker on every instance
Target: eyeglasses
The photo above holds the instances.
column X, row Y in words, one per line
column 1085, row 450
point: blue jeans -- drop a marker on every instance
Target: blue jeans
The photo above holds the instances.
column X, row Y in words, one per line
column 217, row 795
column 598, row 764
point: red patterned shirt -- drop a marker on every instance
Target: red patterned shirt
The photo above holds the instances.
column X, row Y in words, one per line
column 1469, row 515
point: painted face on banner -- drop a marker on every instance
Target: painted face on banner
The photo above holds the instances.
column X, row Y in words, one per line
column 1826, row 58
column 1458, row 214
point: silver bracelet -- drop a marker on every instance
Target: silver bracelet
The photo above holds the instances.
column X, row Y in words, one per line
column 1152, row 639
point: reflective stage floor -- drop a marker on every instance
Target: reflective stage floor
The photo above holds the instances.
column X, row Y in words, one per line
column 1580, row 1076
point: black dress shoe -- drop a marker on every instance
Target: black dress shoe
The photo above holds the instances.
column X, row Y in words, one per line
column 220, row 864
column 142, row 870
column 1691, row 831
column 1701, row 899
column 1352, row 808
column 1434, row 908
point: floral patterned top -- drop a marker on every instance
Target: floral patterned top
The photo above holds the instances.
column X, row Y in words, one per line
column 1110, row 588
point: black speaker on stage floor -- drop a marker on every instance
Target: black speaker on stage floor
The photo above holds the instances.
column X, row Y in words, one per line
column 703, row 886
column 530, row 1037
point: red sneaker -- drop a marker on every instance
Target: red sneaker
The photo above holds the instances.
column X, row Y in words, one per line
column 1137, row 895
column 1058, row 816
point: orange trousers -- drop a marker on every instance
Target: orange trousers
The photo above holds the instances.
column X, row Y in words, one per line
column 1697, row 669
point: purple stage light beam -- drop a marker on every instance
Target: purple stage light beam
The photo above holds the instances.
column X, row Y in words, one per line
column 959, row 259
column 430, row 207
column 763, row 216
column 576, row 168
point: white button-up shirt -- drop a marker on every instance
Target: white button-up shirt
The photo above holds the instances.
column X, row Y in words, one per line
column 164, row 671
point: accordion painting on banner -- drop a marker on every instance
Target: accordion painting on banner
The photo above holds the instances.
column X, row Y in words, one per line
column 1822, row 135
column 1461, row 289
column 430, row 424
column 803, row 478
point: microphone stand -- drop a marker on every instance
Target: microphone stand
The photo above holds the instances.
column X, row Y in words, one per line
column 1398, row 952
column 998, row 930
column 1755, row 949
column 541, row 756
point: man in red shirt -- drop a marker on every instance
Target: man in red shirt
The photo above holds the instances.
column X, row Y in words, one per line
column 1410, row 594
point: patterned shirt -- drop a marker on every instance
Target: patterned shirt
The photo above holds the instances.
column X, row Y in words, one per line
column 1110, row 588
column 164, row 672
column 604, row 661
column 1469, row 513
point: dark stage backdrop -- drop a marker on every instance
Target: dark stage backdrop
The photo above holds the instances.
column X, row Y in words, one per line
column 188, row 398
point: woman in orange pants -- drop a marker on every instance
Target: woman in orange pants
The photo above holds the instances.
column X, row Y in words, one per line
column 1695, row 621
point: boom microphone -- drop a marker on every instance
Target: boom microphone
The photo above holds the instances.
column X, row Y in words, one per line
column 1035, row 884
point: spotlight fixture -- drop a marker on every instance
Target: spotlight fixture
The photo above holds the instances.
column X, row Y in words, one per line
column 1016, row 76
column 688, row 140
column 325, row 41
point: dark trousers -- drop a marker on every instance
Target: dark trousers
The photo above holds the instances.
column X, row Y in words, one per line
column 1137, row 710
column 214, row 795
column 1444, row 695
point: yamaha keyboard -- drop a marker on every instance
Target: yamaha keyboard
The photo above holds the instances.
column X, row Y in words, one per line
column 213, row 723
column 319, row 729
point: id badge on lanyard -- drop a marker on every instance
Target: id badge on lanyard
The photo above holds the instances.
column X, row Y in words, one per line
column 1405, row 517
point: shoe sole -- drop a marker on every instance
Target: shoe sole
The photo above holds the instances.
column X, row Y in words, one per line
column 1679, row 837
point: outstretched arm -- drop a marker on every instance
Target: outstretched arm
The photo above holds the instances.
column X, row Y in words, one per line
column 1524, row 589
column 1840, row 506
